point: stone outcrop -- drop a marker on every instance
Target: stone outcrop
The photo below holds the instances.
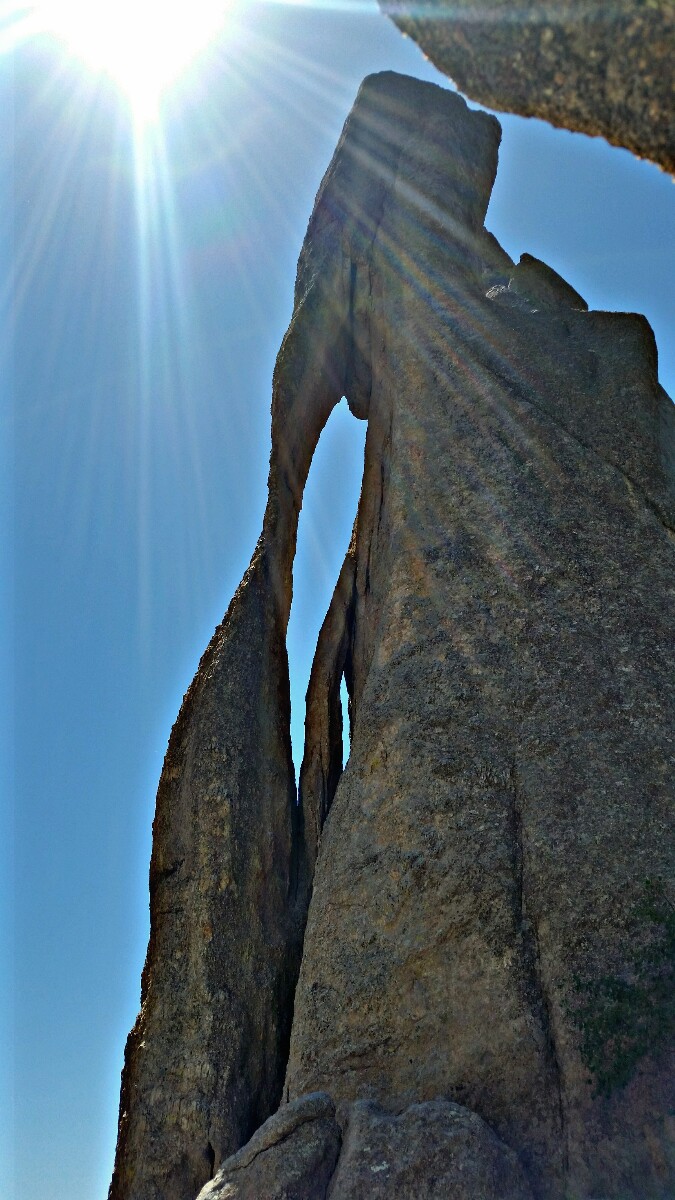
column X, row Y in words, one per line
column 433, row 1150
column 291, row 1157
column 485, row 964
column 204, row 1064
column 597, row 68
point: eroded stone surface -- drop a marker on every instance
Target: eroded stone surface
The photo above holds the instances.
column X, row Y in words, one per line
column 202, row 1063
column 291, row 1157
column 433, row 1150
column 504, row 622
column 511, row 672
column 205, row 1061
column 597, row 68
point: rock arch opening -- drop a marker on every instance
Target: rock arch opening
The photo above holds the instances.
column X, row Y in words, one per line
column 324, row 531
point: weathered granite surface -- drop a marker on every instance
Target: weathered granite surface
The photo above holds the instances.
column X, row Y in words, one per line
column 203, row 1063
column 229, row 879
column 597, row 68
column 511, row 670
column 490, row 918
column 432, row 1151
column 291, row 1157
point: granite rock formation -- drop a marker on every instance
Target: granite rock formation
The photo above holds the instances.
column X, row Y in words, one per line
column 433, row 1150
column 482, row 983
column 597, row 68
column 291, row 1157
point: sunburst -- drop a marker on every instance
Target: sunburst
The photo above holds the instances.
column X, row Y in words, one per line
column 143, row 45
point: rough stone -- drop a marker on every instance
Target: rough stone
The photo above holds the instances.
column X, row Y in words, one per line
column 434, row 1150
column 488, row 921
column 599, row 68
column 482, row 866
column 203, row 1062
column 533, row 285
column 291, row 1157
column 229, row 877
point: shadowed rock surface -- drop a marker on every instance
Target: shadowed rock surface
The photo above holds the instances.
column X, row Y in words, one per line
column 489, row 863
column 291, row 1157
column 434, row 1150
column 204, row 1064
column 598, row 68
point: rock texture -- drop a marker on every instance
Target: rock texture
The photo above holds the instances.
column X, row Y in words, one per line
column 229, row 876
column 204, row 1062
column 291, row 1157
column 511, row 673
column 485, row 965
column 434, row 1150
column 598, row 68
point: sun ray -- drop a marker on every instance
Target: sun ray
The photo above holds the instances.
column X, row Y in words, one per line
column 143, row 45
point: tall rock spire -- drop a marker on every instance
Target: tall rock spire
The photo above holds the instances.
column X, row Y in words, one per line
column 487, row 932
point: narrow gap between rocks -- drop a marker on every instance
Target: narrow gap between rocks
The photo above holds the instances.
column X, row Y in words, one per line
column 328, row 510
column 346, row 739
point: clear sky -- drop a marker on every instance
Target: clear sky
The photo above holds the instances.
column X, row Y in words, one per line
column 151, row 281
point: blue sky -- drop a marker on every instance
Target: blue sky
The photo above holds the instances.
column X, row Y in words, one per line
column 151, row 284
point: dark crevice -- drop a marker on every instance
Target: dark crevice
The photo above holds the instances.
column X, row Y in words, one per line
column 159, row 876
column 348, row 673
column 552, row 1050
column 537, row 992
column 382, row 481
column 322, row 763
column 296, row 870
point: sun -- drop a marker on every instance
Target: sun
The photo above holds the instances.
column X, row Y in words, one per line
column 144, row 45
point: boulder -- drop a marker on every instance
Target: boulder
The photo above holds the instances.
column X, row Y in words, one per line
column 434, row 1150
column 291, row 1157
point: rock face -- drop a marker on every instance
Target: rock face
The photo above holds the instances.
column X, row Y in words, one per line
column 433, row 1150
column 229, row 876
column 598, row 68
column 204, row 1062
column 291, row 1157
column 485, row 966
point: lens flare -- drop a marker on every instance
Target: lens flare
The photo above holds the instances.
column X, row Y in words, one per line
column 144, row 45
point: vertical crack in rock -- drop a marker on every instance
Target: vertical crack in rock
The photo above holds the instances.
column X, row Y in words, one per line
column 533, row 978
column 322, row 759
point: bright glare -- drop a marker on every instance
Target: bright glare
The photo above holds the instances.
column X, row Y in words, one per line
column 143, row 45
